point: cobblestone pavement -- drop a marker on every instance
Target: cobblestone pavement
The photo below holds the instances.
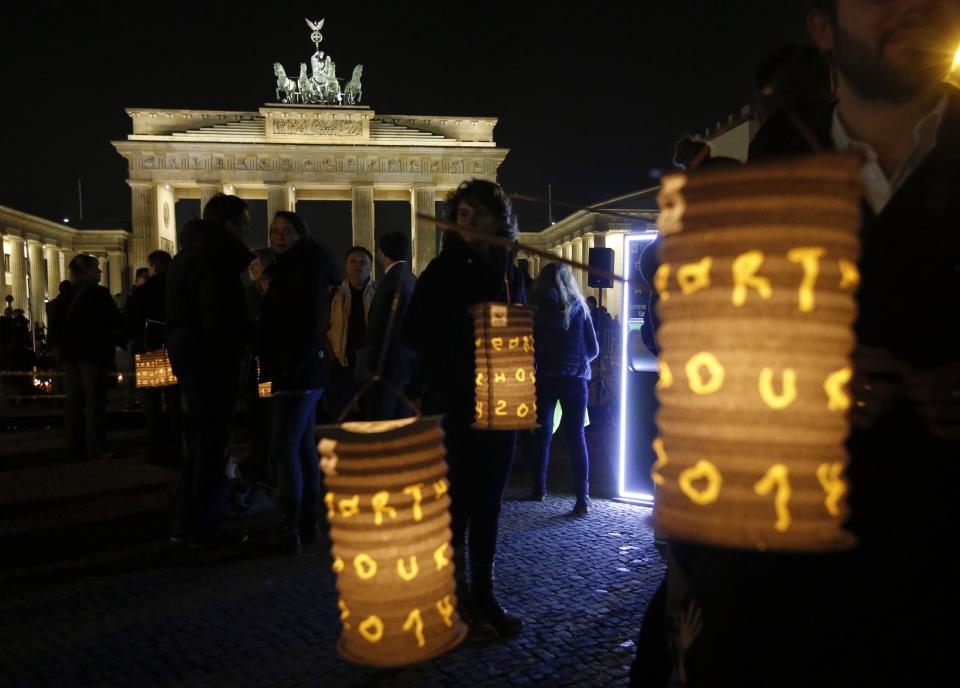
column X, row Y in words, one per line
column 147, row 613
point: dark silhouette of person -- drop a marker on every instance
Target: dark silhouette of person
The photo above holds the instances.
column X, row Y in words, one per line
column 207, row 332
column 349, row 308
column 85, row 325
column 294, row 318
column 384, row 345
column 566, row 344
column 440, row 329
column 145, row 323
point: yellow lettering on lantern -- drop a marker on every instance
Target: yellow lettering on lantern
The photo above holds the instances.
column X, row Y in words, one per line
column 809, row 258
column 829, row 475
column 366, row 566
column 523, row 410
column 344, row 613
column 379, row 504
column 440, row 488
column 695, row 276
column 835, row 387
column 497, row 343
column 415, row 622
column 328, row 500
column 527, row 343
column 697, row 384
column 501, row 409
column 533, row 379
column 350, row 507
column 338, row 565
column 660, row 463
column 704, row 470
column 777, row 477
column 477, row 343
column 479, row 414
column 660, row 280
column 404, row 573
column 745, row 268
column 499, row 377
column 440, row 557
column 769, row 394
column 416, row 492
column 520, row 375
column 479, row 378
column 514, row 343
column 849, row 274
column 666, row 376
column 371, row 629
column 445, row 607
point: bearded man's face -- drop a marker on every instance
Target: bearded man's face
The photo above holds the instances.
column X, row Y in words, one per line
column 891, row 50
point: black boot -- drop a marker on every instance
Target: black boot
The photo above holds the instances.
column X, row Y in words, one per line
column 488, row 608
column 285, row 537
column 479, row 629
column 310, row 531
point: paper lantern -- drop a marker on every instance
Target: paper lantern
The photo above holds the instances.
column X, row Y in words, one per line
column 264, row 389
column 389, row 515
column 506, row 392
column 757, row 279
column 154, row 370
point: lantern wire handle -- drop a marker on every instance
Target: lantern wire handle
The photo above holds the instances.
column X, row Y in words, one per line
column 146, row 327
column 378, row 374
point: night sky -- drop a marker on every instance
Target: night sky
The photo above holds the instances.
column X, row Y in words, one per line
column 591, row 99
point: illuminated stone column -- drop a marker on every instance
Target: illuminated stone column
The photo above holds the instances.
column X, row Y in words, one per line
column 208, row 191
column 4, row 249
column 576, row 254
column 63, row 258
column 166, row 223
column 424, row 234
column 534, row 266
column 363, row 216
column 38, row 282
column 146, row 230
column 586, row 243
column 114, row 279
column 18, row 272
column 614, row 240
column 53, row 270
column 279, row 197
column 104, row 265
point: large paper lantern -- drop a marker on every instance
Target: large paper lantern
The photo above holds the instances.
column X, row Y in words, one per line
column 153, row 369
column 389, row 515
column 506, row 392
column 756, row 280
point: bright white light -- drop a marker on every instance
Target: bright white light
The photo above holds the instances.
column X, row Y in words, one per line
column 66, row 219
column 628, row 239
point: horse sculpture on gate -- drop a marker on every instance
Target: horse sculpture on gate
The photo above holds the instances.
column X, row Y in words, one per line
column 285, row 84
column 353, row 91
column 321, row 87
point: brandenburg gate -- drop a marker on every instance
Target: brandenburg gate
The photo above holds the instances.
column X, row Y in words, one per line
column 288, row 152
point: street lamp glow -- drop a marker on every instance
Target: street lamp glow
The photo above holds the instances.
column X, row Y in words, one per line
column 66, row 219
column 954, row 76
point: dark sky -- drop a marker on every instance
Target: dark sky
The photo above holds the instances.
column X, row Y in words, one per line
column 591, row 99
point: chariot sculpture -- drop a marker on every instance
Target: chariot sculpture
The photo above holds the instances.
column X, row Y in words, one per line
column 321, row 86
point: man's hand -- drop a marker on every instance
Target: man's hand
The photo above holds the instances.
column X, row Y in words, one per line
column 263, row 284
column 876, row 386
column 935, row 392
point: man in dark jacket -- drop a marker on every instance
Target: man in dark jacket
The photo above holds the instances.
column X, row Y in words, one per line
column 439, row 328
column 145, row 322
column 384, row 346
column 868, row 616
column 85, row 326
column 207, row 331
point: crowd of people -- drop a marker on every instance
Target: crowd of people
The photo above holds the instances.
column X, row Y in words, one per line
column 360, row 350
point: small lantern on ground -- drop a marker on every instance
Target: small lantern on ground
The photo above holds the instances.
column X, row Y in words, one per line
column 757, row 279
column 506, row 393
column 389, row 511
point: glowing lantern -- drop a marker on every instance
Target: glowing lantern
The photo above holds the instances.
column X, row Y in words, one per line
column 389, row 515
column 953, row 77
column 506, row 393
column 757, row 279
column 154, row 370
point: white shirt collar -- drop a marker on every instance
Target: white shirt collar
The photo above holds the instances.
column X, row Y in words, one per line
column 878, row 189
column 396, row 262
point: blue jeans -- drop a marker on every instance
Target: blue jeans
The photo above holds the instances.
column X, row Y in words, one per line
column 571, row 392
column 295, row 444
column 86, row 409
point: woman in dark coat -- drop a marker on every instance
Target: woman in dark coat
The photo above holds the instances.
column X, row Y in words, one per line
column 294, row 318
column 439, row 328
column 565, row 344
